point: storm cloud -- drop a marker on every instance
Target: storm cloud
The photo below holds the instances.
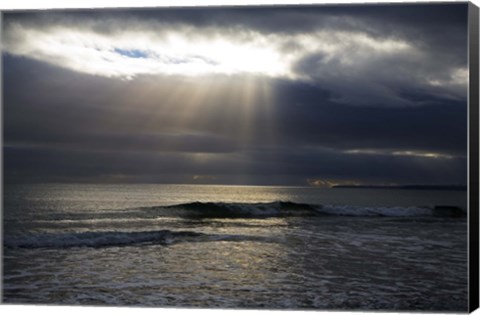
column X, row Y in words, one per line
column 260, row 95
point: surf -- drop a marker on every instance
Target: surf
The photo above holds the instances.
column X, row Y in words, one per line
column 291, row 209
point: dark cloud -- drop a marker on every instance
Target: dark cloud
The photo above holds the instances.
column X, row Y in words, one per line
column 263, row 166
column 438, row 127
column 365, row 112
column 104, row 113
column 393, row 18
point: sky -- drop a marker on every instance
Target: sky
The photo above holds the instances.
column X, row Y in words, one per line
column 284, row 95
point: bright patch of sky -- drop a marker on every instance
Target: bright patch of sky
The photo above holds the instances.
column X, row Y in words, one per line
column 328, row 58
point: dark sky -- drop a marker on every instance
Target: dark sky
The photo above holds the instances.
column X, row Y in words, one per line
column 297, row 95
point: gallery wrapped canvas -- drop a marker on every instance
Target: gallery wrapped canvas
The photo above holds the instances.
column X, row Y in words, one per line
column 301, row 157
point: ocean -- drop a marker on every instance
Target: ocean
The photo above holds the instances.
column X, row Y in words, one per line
column 235, row 247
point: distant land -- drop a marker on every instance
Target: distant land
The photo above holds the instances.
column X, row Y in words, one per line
column 412, row 187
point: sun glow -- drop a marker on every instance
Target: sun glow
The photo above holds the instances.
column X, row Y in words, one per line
column 186, row 51
column 134, row 53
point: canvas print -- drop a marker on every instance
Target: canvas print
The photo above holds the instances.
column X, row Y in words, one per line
column 257, row 157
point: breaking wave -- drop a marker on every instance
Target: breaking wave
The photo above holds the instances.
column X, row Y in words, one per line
column 96, row 239
column 204, row 210
column 292, row 209
column 102, row 239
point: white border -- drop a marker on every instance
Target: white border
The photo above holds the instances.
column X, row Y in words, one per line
column 52, row 4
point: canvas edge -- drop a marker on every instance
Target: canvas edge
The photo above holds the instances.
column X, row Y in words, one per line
column 473, row 194
column 1, row 155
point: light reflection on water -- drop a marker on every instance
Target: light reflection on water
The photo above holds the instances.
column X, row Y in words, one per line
column 22, row 201
column 328, row 264
column 297, row 262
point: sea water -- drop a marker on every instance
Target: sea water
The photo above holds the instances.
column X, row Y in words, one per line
column 234, row 247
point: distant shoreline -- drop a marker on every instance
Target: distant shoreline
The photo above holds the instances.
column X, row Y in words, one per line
column 408, row 187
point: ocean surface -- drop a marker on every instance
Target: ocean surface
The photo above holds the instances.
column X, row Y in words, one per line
column 234, row 247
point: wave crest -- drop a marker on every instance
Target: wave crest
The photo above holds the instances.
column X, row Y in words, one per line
column 292, row 209
column 96, row 239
